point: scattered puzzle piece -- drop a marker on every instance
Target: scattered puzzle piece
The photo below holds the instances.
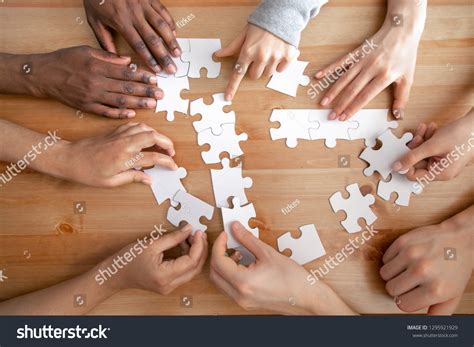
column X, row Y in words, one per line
column 228, row 141
column 287, row 82
column 240, row 214
column 191, row 210
column 213, row 116
column 401, row 185
column 228, row 182
column 200, row 56
column 304, row 249
column 372, row 124
column 294, row 125
column 392, row 149
column 172, row 102
column 166, row 183
column 356, row 206
column 329, row 130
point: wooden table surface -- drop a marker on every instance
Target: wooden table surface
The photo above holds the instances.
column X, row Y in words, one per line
column 42, row 240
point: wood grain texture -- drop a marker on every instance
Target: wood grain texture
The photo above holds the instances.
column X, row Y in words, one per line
column 36, row 212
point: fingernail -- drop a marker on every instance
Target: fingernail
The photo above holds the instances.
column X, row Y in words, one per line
column 398, row 114
column 131, row 114
column 332, row 115
column 397, row 166
column 171, row 69
column 159, row 94
column 325, row 101
column 151, row 103
column 343, row 117
column 177, row 52
column 153, row 80
column 319, row 74
column 239, row 255
column 228, row 97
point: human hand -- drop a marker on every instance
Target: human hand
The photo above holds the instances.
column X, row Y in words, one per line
column 418, row 268
column 149, row 270
column 388, row 57
column 260, row 54
column 274, row 282
column 146, row 25
column 95, row 81
column 110, row 160
column 441, row 153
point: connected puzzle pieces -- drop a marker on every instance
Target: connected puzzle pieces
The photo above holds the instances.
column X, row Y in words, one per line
column 304, row 249
column 166, row 183
column 212, row 116
column 200, row 56
column 228, row 142
column 294, row 125
column 191, row 210
column 356, row 206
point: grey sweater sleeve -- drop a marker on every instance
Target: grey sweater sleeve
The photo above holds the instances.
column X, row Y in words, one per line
column 286, row 18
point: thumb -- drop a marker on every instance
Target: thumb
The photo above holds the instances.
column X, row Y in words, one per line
column 130, row 176
column 401, row 96
column 413, row 157
column 110, row 57
column 233, row 48
column 246, row 238
column 444, row 308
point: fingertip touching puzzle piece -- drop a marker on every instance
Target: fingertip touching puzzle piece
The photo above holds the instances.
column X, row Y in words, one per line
column 288, row 81
column 200, row 56
column 212, row 116
column 166, row 183
column 238, row 213
column 401, row 185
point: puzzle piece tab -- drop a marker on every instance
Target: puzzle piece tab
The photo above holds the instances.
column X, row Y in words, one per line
column 200, row 56
column 240, row 214
column 172, row 102
column 228, row 182
column 166, row 183
column 329, row 130
column 401, row 185
column 212, row 116
column 191, row 210
column 288, row 81
column 392, row 149
column 228, row 142
column 294, row 125
column 304, row 249
column 356, row 206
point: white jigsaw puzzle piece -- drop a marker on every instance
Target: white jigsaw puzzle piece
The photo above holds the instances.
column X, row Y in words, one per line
column 228, row 142
column 294, row 125
column 191, row 210
column 200, row 56
column 401, row 185
column 212, row 116
column 288, row 81
column 372, row 124
column 228, row 182
column 172, row 102
column 381, row 160
column 166, row 183
column 182, row 67
column 240, row 214
column 329, row 130
column 356, row 206
column 304, row 249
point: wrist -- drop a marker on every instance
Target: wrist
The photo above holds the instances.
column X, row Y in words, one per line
column 22, row 73
column 407, row 16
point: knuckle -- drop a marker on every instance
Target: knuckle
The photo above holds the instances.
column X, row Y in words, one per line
column 121, row 101
column 390, row 288
column 161, row 24
column 128, row 88
column 154, row 40
column 140, row 46
column 422, row 268
column 411, row 253
column 436, row 289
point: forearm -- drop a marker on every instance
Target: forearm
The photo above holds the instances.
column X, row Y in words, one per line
column 23, row 147
column 409, row 15
column 323, row 300
column 18, row 73
column 285, row 19
column 463, row 224
column 76, row 296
